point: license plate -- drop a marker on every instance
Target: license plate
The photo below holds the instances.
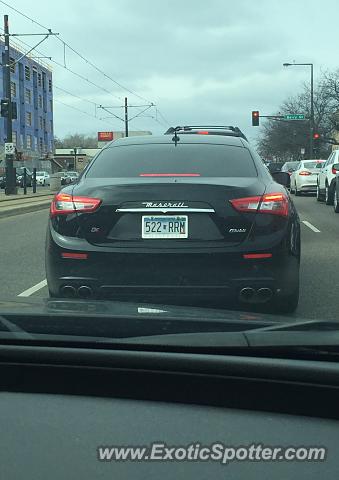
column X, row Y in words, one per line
column 165, row 226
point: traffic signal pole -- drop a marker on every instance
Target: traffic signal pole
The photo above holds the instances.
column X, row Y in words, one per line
column 312, row 117
column 10, row 181
column 126, row 117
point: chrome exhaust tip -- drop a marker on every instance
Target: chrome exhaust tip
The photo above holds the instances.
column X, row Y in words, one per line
column 68, row 291
column 246, row 294
column 85, row 292
column 265, row 294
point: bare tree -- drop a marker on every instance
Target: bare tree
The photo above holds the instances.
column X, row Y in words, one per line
column 284, row 139
column 76, row 140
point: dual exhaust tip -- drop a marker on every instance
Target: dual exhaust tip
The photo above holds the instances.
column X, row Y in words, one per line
column 247, row 294
column 84, row 291
column 250, row 295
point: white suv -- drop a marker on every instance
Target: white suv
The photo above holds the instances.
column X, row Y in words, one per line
column 327, row 179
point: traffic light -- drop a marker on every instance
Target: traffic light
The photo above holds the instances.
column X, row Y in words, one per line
column 255, row 118
column 4, row 107
column 316, row 136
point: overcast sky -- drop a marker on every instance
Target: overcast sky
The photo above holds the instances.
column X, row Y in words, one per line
column 199, row 61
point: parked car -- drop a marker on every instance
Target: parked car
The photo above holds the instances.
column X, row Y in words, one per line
column 20, row 177
column 65, row 179
column 327, row 179
column 154, row 213
column 42, row 178
column 304, row 178
column 73, row 176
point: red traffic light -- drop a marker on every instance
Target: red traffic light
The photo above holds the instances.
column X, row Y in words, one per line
column 316, row 136
column 255, row 118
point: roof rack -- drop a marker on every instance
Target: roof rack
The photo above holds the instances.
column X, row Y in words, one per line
column 224, row 130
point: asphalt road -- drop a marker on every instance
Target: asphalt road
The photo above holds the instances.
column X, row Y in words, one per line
column 22, row 258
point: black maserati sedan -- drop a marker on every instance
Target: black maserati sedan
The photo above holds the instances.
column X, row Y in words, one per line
column 176, row 218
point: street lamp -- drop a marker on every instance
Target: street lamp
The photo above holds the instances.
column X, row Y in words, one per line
column 312, row 101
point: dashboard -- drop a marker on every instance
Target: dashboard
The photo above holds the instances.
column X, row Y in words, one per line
column 59, row 405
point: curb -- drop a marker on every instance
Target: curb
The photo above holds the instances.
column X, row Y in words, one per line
column 24, row 209
column 25, row 197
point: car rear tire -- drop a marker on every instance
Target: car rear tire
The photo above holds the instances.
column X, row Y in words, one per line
column 336, row 202
column 297, row 192
column 328, row 195
column 319, row 199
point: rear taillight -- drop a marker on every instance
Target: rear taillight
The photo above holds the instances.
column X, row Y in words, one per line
column 64, row 203
column 304, row 173
column 202, row 132
column 273, row 203
column 334, row 171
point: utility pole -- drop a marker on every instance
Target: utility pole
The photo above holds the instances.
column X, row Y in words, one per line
column 312, row 116
column 7, row 101
column 10, row 181
column 126, row 117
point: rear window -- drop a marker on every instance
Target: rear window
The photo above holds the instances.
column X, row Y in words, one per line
column 288, row 166
column 203, row 160
column 313, row 164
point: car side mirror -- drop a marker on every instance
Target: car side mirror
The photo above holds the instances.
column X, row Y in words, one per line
column 335, row 166
column 282, row 177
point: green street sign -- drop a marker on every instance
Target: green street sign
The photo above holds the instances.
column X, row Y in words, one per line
column 295, row 116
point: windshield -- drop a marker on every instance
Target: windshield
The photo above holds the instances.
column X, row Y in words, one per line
column 123, row 205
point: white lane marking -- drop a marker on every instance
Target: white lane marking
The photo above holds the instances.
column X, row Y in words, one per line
column 35, row 288
column 312, row 227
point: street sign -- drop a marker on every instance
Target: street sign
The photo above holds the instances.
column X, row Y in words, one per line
column 105, row 136
column 9, row 148
column 294, row 116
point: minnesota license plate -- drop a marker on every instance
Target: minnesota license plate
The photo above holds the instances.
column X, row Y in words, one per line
column 165, row 226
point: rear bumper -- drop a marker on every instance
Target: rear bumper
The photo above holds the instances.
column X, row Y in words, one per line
column 182, row 276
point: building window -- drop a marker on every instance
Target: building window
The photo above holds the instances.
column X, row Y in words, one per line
column 12, row 64
column 50, row 85
column 50, row 126
column 41, row 144
column 28, row 119
column 39, row 80
column 43, row 81
column 29, row 141
column 40, row 123
column 44, row 123
column 14, row 137
column 13, row 89
column 28, row 96
column 40, row 101
column 50, row 105
column 27, row 73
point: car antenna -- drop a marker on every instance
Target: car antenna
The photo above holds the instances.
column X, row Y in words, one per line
column 176, row 138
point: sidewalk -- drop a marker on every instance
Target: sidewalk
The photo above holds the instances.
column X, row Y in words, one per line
column 17, row 204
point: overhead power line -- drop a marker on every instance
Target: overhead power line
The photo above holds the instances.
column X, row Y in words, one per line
column 89, row 62
column 65, row 44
